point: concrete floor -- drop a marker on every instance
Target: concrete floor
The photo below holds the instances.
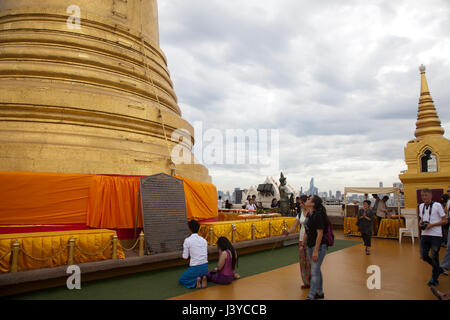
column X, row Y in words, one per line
column 404, row 276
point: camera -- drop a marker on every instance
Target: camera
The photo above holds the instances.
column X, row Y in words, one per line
column 424, row 225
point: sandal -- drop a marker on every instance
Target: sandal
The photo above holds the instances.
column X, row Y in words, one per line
column 435, row 292
column 319, row 296
column 305, row 286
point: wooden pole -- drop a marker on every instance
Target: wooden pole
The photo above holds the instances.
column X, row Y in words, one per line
column 141, row 243
column 270, row 229
column 137, row 212
column 233, row 233
column 253, row 231
column 15, row 256
column 114, row 249
column 211, row 236
column 71, row 251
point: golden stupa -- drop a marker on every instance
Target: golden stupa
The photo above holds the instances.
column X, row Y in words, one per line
column 86, row 89
column 428, row 155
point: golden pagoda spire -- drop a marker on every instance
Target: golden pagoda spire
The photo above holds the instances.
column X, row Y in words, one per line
column 428, row 122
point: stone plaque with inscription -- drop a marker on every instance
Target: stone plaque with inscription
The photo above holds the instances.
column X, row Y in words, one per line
column 164, row 213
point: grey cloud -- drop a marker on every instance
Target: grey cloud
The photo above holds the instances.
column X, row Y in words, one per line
column 329, row 77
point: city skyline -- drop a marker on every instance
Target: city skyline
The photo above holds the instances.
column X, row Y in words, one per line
column 298, row 189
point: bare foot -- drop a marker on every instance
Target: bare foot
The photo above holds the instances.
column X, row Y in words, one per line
column 237, row 276
column 199, row 285
column 204, row 282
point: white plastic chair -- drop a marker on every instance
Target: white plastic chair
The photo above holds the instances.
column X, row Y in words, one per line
column 410, row 225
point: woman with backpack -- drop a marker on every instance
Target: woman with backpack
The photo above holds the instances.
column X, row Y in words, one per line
column 318, row 237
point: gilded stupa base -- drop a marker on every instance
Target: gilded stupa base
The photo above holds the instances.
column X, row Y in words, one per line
column 92, row 98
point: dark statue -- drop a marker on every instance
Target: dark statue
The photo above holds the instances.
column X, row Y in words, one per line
column 284, row 196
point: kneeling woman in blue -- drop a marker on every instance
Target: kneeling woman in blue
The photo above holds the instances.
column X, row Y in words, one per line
column 195, row 247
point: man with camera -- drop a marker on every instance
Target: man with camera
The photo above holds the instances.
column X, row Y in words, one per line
column 431, row 218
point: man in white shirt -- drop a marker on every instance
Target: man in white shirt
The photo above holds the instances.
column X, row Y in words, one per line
column 219, row 202
column 251, row 205
column 195, row 247
column 431, row 218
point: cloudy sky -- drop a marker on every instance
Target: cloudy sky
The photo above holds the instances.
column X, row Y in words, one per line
column 339, row 80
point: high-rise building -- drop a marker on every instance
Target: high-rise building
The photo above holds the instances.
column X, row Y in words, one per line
column 237, row 195
column 338, row 195
column 394, row 199
column 312, row 189
column 398, row 185
column 380, row 184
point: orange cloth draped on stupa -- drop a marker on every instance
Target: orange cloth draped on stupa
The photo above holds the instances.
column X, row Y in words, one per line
column 113, row 202
column 99, row 201
column 43, row 198
column 201, row 199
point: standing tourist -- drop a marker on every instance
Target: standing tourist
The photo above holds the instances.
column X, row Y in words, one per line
column 195, row 247
column 298, row 205
column 275, row 203
column 365, row 224
column 381, row 210
column 228, row 204
column 219, row 202
column 251, row 206
column 259, row 205
column 247, row 202
column 316, row 226
column 431, row 218
column 305, row 265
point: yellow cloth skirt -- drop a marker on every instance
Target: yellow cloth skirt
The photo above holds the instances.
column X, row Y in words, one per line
column 244, row 229
column 90, row 245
